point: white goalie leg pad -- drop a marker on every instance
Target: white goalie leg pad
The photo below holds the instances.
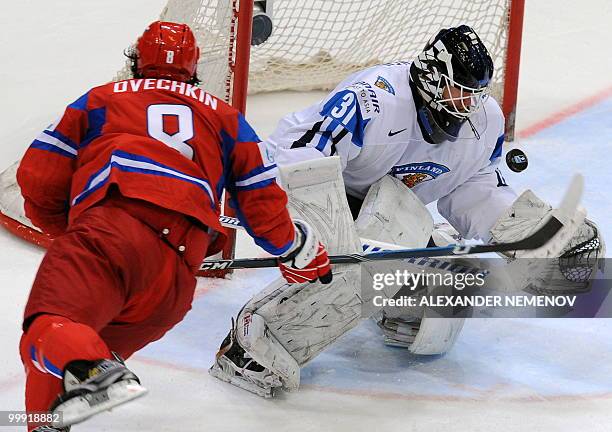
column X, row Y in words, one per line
column 436, row 335
column 306, row 318
column 309, row 319
column 444, row 234
column 392, row 213
column 286, row 325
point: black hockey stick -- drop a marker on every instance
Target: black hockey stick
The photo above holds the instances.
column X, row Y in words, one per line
column 536, row 240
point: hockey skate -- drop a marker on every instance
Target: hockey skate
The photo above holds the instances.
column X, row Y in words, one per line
column 235, row 366
column 91, row 387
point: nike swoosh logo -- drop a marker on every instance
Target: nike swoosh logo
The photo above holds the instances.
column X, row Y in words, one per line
column 391, row 133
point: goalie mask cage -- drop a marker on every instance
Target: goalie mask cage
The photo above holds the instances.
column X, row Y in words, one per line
column 315, row 44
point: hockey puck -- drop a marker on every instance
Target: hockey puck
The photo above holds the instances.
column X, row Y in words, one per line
column 516, row 160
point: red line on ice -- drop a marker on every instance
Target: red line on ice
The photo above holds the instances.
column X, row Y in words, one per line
column 565, row 113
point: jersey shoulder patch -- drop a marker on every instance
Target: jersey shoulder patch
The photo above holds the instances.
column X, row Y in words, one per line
column 382, row 83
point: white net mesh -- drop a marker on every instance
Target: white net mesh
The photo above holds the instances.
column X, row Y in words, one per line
column 317, row 43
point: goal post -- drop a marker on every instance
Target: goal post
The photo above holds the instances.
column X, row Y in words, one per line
column 512, row 65
column 240, row 69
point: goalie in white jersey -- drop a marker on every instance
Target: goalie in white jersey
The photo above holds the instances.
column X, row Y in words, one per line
column 432, row 125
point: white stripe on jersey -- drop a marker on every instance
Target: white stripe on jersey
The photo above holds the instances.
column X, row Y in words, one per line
column 141, row 165
column 266, row 175
column 46, row 138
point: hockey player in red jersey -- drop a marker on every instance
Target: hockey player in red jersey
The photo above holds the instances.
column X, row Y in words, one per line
column 128, row 181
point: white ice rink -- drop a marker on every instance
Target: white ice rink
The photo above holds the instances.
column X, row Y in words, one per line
column 502, row 375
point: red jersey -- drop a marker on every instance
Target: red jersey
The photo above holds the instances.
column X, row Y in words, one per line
column 162, row 141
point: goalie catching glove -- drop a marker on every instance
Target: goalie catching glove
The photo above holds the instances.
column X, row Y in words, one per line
column 306, row 260
column 579, row 259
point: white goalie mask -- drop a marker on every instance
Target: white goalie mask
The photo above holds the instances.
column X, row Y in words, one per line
column 451, row 77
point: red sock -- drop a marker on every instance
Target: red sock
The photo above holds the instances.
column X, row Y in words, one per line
column 49, row 344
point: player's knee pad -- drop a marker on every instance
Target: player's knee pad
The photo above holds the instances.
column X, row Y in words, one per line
column 51, row 341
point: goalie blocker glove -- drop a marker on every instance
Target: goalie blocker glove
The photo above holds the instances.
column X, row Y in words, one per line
column 307, row 260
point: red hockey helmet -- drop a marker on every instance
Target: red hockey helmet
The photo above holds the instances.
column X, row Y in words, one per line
column 167, row 50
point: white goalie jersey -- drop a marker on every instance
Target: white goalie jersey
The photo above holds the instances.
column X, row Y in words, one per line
column 370, row 122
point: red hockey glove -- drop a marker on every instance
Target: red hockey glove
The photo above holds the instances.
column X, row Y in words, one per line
column 307, row 260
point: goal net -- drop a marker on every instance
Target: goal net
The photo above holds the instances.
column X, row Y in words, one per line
column 315, row 44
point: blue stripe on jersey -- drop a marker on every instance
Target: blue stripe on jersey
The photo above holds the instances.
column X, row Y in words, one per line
column 245, row 131
column 55, row 142
column 344, row 108
column 358, row 134
column 35, row 360
column 254, row 172
column 96, row 118
column 80, row 103
column 256, row 185
column 497, row 152
column 51, row 368
column 256, row 176
column 52, row 148
column 63, row 138
column 326, row 135
column 139, row 164
column 227, row 146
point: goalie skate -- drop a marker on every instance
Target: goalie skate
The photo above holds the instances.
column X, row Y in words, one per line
column 94, row 387
column 233, row 365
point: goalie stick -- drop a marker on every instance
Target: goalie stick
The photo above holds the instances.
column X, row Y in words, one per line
column 541, row 237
